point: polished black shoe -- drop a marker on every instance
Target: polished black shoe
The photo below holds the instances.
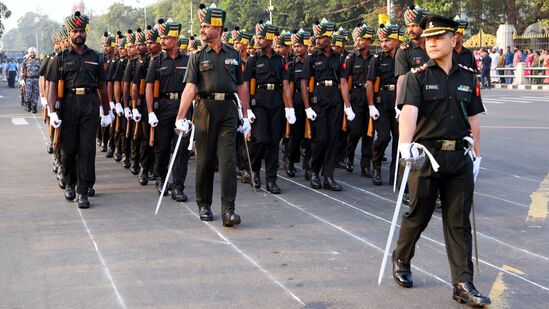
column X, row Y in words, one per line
column 307, row 175
column 406, row 199
column 245, row 176
column 315, row 181
column 377, row 180
column 289, row 168
column 109, row 153
column 98, row 142
column 402, row 273
column 230, row 219
column 91, row 192
column 134, row 169
column 178, row 195
column 103, row 148
column 152, row 176
column 160, row 185
column 438, row 203
column 466, row 293
column 117, row 157
column 257, row 180
column 205, row 213
column 61, row 183
column 331, row 184
column 366, row 172
column 49, row 148
column 70, row 195
column 143, row 178
column 340, row 164
column 384, row 159
column 83, row 201
column 349, row 166
column 55, row 168
column 34, row 111
column 126, row 162
column 272, row 187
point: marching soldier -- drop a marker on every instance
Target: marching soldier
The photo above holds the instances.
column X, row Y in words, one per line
column 183, row 43
column 440, row 104
column 359, row 65
column 215, row 75
column 127, row 94
column 79, row 72
column 266, row 76
column 109, row 44
column 326, row 74
column 168, row 70
column 122, row 151
column 385, row 123
column 462, row 54
column 29, row 79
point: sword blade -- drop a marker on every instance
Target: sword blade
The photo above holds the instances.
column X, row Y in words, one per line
column 191, row 139
column 177, row 144
column 394, row 222
column 475, row 235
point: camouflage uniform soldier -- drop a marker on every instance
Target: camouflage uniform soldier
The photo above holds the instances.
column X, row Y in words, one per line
column 30, row 68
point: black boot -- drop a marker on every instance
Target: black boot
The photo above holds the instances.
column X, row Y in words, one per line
column 134, row 169
column 69, row 193
column 257, row 180
column 34, row 111
column 179, row 195
column 230, row 219
column 273, row 187
column 83, row 201
column 402, row 273
column 61, row 183
column 245, row 176
column 377, row 181
column 117, row 157
column 289, row 168
column 315, row 181
column 144, row 178
column 126, row 162
column 307, row 175
column 160, row 185
column 366, row 172
column 331, row 184
column 465, row 292
column 205, row 213
column 49, row 148
column 91, row 192
column 103, row 148
column 109, row 153
column 349, row 166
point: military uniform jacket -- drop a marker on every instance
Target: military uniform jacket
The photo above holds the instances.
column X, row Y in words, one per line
column 215, row 73
column 169, row 72
column 44, row 65
column 409, row 56
column 465, row 58
column 359, row 69
column 77, row 71
column 444, row 101
column 31, row 67
column 111, row 68
column 267, row 70
column 120, row 65
column 295, row 75
column 324, row 68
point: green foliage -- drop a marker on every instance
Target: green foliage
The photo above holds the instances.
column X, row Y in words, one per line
column 33, row 30
column 4, row 13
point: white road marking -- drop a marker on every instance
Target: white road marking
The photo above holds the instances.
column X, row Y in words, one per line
column 19, row 121
column 509, row 174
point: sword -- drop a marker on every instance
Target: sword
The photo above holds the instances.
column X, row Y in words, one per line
column 241, row 116
column 469, row 151
column 177, row 144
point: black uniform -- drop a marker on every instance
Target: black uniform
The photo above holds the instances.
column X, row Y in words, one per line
column 79, row 113
column 121, row 145
column 359, row 69
column 386, row 125
column 170, row 73
column 146, row 155
column 409, row 56
column 328, row 105
column 268, row 107
column 444, row 102
column 108, row 133
column 135, row 145
column 297, row 130
column 465, row 58
column 216, row 121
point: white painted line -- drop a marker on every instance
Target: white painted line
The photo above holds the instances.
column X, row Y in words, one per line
column 19, row 121
column 509, row 174
column 503, row 200
column 256, row 264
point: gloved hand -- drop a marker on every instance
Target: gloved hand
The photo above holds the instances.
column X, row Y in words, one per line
column 245, row 127
column 54, row 120
column 183, row 125
column 119, row 109
column 408, row 151
column 136, row 116
column 106, row 120
column 251, row 115
column 310, row 113
column 43, row 101
column 22, row 82
column 127, row 113
column 112, row 106
column 397, row 112
column 153, row 121
column 349, row 112
column 290, row 114
column 476, row 167
column 374, row 113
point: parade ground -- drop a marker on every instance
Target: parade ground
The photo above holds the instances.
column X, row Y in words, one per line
column 304, row 248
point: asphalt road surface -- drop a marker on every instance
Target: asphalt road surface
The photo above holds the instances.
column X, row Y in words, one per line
column 302, row 248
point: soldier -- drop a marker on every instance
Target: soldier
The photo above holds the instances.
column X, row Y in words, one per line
column 110, row 76
column 168, row 70
column 43, row 86
column 463, row 55
column 359, row 66
column 440, row 104
column 339, row 41
column 326, row 74
column 215, row 75
column 81, row 74
column 122, row 150
column 386, row 124
column 29, row 79
column 127, row 93
column 266, row 76
column 109, row 44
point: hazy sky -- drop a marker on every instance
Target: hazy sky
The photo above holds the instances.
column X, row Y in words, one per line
column 59, row 9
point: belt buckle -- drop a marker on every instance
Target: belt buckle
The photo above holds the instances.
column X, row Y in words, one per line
column 329, row 83
column 219, row 96
column 448, row 145
column 173, row 96
column 80, row 91
column 270, row 87
column 390, row 87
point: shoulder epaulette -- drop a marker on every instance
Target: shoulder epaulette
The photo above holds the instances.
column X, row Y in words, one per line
column 466, row 68
column 404, row 46
column 420, row 69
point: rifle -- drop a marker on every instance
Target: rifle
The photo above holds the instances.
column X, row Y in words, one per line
column 156, row 94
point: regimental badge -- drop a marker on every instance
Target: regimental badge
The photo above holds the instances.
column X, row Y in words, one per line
column 431, row 25
column 465, row 88
column 231, row 61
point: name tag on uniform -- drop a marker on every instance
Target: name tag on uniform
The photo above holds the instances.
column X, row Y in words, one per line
column 261, row 65
column 319, row 63
column 162, row 68
column 231, row 61
column 298, row 71
column 91, row 62
column 205, row 65
column 180, row 68
column 465, row 88
column 432, row 87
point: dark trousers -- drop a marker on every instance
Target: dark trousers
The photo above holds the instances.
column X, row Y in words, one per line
column 146, row 152
column 242, row 162
column 358, row 128
column 454, row 181
column 387, row 131
column 135, row 142
column 165, row 133
column 485, row 79
column 11, row 79
column 297, row 132
column 80, row 118
column 216, row 123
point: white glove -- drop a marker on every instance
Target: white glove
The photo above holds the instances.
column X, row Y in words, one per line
column 112, row 106
column 136, row 116
column 476, row 167
column 22, row 82
column 374, row 113
column 54, row 120
column 349, row 112
column 153, row 121
column 183, row 125
column 127, row 113
column 408, row 151
column 397, row 112
column 310, row 113
column 111, row 114
column 44, row 102
column 251, row 115
column 290, row 114
column 106, row 120
column 119, row 109
column 245, row 127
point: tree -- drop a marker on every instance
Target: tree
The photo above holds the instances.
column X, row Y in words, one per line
column 4, row 13
column 33, row 29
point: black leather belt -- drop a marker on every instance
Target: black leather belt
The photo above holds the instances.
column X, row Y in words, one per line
column 358, row 86
column 327, row 83
column 270, row 86
column 171, row 95
column 389, row 87
column 217, row 96
column 445, row 145
column 81, row 91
